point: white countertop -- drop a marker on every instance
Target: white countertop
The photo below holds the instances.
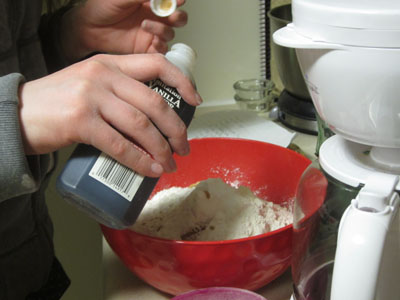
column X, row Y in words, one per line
column 121, row 284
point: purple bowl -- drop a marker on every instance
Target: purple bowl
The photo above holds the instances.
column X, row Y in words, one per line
column 219, row 293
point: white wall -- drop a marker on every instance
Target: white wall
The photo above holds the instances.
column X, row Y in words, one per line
column 225, row 35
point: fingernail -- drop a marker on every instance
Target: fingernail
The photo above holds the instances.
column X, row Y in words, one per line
column 186, row 150
column 199, row 100
column 146, row 25
column 181, row 23
column 157, row 168
column 172, row 165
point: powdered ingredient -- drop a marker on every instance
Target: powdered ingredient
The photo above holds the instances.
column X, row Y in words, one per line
column 208, row 211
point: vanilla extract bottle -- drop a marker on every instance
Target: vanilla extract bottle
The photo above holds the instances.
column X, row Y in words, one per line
column 108, row 191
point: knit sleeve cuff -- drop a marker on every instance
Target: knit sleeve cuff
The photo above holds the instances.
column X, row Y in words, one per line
column 15, row 174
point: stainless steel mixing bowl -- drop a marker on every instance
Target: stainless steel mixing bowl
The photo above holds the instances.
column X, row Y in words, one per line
column 285, row 58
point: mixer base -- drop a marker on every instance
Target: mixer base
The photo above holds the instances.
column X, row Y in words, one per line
column 297, row 114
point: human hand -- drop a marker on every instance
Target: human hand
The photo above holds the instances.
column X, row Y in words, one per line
column 117, row 26
column 102, row 101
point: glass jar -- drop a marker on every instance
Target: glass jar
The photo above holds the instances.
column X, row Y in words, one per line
column 254, row 94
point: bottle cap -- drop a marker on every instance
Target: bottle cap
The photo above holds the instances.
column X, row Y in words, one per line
column 163, row 8
column 183, row 56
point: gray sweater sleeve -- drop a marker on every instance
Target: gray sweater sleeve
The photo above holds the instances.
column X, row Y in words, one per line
column 15, row 175
column 49, row 33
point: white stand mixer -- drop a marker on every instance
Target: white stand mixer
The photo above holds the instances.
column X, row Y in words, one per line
column 349, row 53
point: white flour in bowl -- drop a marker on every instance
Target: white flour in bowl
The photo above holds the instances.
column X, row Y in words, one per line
column 208, row 211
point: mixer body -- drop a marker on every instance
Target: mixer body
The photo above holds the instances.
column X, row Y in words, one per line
column 356, row 91
column 346, row 223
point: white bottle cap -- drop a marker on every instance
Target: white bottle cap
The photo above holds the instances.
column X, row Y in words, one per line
column 183, row 56
column 163, row 8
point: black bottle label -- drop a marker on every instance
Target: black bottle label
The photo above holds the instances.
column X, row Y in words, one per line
column 170, row 94
column 174, row 99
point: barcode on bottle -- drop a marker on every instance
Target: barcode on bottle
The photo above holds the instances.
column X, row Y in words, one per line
column 117, row 177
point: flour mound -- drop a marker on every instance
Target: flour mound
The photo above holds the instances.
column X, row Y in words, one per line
column 209, row 211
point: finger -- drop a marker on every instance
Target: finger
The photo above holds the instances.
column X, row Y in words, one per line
column 129, row 105
column 90, row 127
column 158, row 46
column 158, row 29
column 179, row 18
column 145, row 67
column 142, row 97
column 135, row 125
column 110, row 141
column 153, row 107
column 100, row 99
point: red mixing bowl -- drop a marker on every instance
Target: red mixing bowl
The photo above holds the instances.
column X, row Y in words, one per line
column 271, row 172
